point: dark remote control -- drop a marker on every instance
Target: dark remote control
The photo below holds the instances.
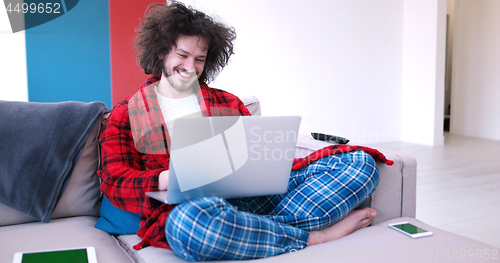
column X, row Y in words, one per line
column 329, row 138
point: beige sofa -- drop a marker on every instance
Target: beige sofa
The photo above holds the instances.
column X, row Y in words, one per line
column 73, row 220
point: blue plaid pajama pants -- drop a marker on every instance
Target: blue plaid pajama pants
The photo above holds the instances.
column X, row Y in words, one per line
column 318, row 196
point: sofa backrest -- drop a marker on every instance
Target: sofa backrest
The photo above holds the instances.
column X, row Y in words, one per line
column 252, row 104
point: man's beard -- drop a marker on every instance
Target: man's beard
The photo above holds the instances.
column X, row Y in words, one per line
column 181, row 87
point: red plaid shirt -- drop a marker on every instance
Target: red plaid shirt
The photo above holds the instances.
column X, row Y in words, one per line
column 134, row 150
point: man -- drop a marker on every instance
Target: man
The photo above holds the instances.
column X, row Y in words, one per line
column 183, row 49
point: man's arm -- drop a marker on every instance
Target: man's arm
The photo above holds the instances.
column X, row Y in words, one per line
column 125, row 172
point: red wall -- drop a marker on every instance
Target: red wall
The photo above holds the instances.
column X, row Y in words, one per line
column 126, row 75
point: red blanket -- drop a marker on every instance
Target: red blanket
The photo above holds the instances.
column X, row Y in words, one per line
column 337, row 149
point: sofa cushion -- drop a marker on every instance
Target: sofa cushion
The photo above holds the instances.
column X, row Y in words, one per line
column 10, row 216
column 147, row 254
column 306, row 145
column 372, row 244
column 59, row 234
column 381, row 244
column 82, row 191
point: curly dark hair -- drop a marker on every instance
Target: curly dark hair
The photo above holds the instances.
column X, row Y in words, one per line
column 162, row 26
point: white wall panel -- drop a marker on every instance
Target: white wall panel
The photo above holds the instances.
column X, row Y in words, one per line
column 337, row 63
column 13, row 75
column 475, row 107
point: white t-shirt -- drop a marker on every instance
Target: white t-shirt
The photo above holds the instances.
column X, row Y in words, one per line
column 176, row 108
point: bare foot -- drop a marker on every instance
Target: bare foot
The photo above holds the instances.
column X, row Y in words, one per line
column 355, row 220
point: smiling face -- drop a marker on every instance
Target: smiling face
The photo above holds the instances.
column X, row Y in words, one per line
column 182, row 67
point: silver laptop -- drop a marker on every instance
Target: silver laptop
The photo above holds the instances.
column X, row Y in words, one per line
column 229, row 157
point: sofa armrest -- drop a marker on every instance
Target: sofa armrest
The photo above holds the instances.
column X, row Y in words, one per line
column 395, row 195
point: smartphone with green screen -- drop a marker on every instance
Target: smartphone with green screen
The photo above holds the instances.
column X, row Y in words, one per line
column 410, row 230
column 75, row 255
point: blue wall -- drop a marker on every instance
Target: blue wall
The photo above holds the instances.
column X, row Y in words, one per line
column 68, row 58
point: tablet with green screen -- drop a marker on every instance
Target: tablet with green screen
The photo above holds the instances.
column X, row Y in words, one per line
column 74, row 255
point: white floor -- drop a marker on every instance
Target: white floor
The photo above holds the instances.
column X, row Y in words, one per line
column 458, row 185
